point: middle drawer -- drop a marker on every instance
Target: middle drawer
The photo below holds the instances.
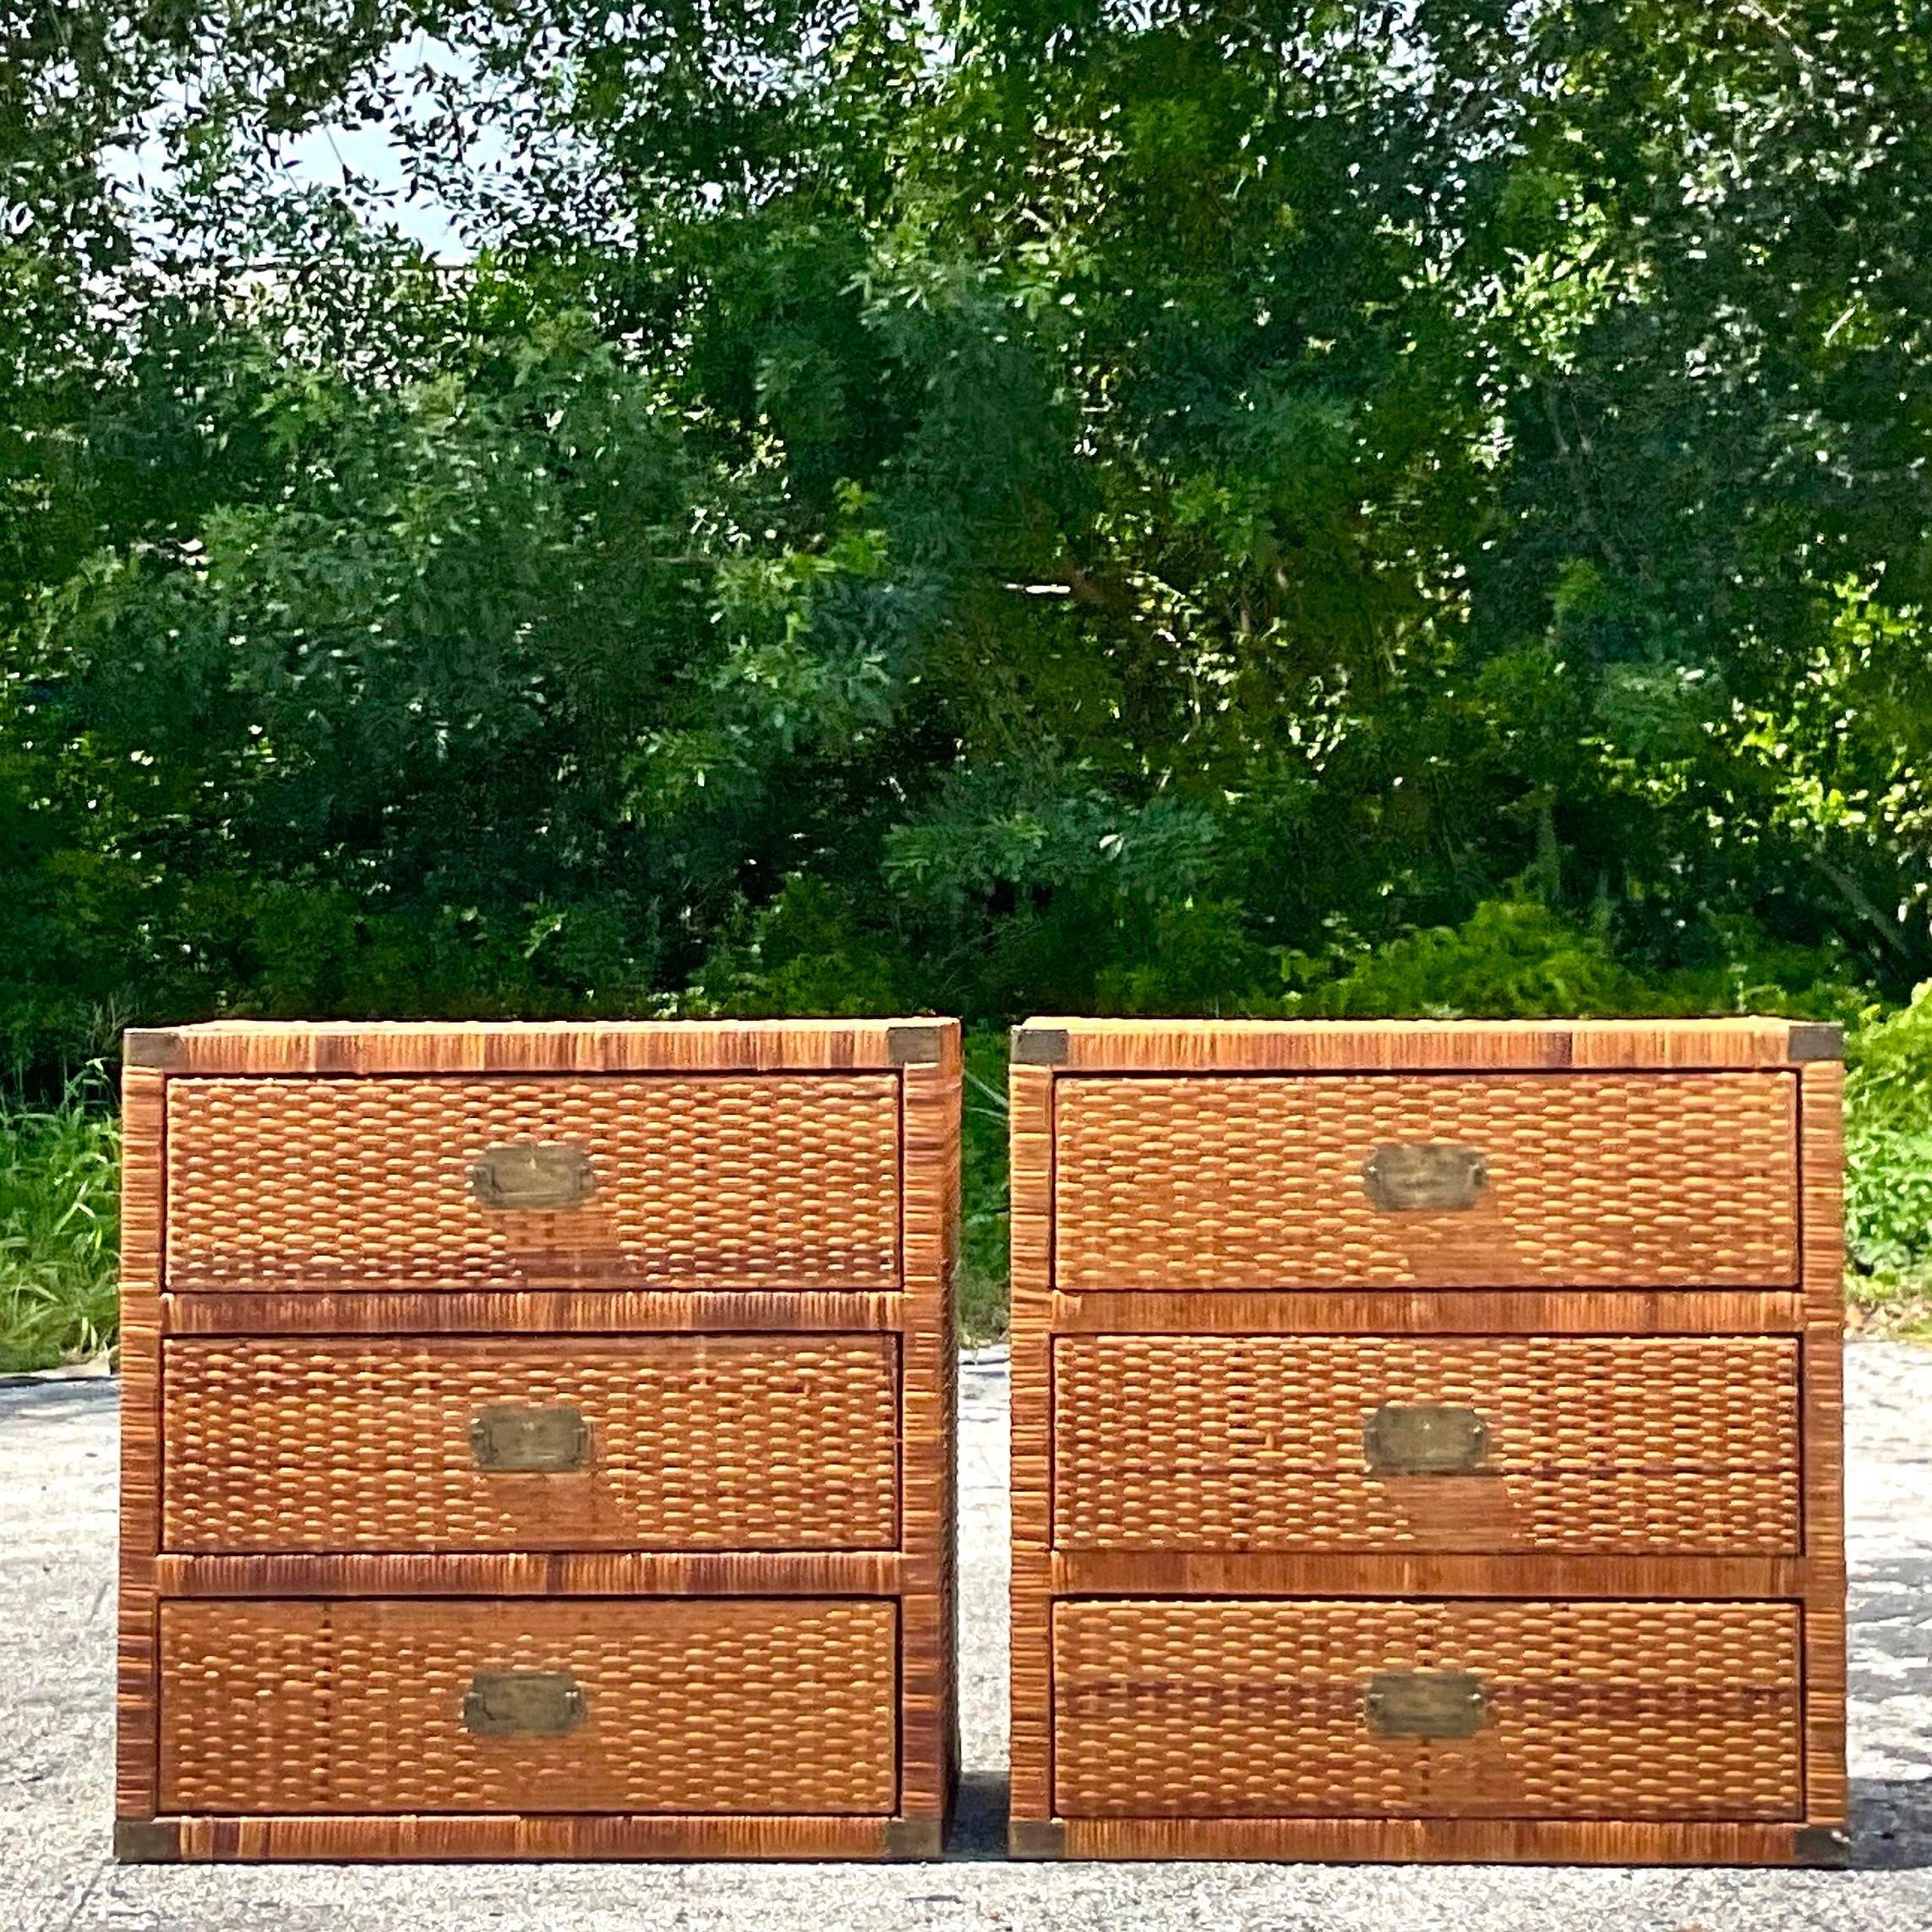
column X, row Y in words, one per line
column 1602, row 1444
column 647, row 1441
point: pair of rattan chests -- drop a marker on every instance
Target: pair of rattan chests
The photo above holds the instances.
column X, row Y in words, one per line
column 538, row 1440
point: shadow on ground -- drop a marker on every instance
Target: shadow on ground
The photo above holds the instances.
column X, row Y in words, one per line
column 1891, row 1823
column 979, row 1829
column 57, row 1399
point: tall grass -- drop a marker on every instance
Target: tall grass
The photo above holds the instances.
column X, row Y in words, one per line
column 982, row 1285
column 60, row 1226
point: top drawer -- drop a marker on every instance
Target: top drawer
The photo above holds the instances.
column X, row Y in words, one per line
column 663, row 1182
column 1641, row 1180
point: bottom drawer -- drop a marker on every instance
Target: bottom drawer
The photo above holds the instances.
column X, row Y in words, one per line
column 690, row 1705
column 1448, row 1708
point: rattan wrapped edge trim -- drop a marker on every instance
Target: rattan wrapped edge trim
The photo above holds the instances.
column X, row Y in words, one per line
column 1075, row 1045
column 1406, row 1575
column 205, row 1841
column 929, row 1254
column 543, row 1572
column 1473, row 1312
column 1435, row 1840
column 1821, row 1372
column 532, row 1312
column 143, row 1117
column 1031, row 1329
column 271, row 1047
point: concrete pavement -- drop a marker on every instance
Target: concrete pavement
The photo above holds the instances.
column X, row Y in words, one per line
column 57, row 1621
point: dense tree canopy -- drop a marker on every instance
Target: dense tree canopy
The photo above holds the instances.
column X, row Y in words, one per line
column 1029, row 503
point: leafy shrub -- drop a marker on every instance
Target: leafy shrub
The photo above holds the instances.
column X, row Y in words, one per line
column 59, row 1227
column 1888, row 1145
column 1511, row 959
column 1516, row 959
column 802, row 954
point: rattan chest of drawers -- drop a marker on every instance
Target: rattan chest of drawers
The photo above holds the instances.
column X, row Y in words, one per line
column 1428, row 1441
column 538, row 1440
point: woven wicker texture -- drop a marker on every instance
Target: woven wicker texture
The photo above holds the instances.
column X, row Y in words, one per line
column 721, row 1705
column 1592, row 1710
column 1594, row 1180
column 694, row 1443
column 783, row 1180
column 1256, row 1442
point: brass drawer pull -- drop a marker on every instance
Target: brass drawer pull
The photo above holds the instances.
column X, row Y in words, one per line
column 1426, row 1703
column 546, row 1441
column 1425, row 1438
column 1428, row 1176
column 523, row 1703
column 531, row 1174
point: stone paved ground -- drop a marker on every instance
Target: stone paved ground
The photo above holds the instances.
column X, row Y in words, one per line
column 56, row 1613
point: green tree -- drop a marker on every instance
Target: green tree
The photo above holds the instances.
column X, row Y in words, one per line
column 1035, row 502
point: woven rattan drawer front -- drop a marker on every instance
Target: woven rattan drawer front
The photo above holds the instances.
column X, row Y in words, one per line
column 1622, row 1180
column 1451, row 1708
column 664, row 1182
column 1627, row 1445
column 737, row 1706
column 649, row 1442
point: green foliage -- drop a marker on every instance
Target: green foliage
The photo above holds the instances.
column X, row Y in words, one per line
column 1515, row 959
column 1888, row 1144
column 981, row 1287
column 1510, row 959
column 803, row 952
column 59, row 1228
